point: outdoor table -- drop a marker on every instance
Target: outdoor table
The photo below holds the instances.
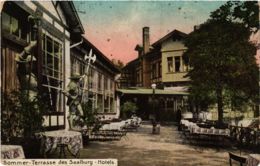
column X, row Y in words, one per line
column 253, row 160
column 209, row 131
column 52, row 140
column 204, row 125
column 114, row 126
column 12, row 152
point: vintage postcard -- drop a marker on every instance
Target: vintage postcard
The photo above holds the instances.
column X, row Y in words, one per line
column 130, row 83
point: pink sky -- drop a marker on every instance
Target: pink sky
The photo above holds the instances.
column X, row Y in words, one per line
column 120, row 45
column 116, row 27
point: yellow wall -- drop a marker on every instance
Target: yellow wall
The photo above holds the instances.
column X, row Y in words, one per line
column 172, row 48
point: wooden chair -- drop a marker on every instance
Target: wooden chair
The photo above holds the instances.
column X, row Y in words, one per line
column 240, row 159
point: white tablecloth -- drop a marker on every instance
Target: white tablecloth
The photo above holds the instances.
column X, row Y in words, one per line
column 120, row 125
column 253, row 160
column 72, row 138
column 12, row 152
column 194, row 128
column 113, row 126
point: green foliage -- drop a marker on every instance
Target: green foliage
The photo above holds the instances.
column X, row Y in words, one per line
column 10, row 113
column 128, row 109
column 223, row 66
column 32, row 113
column 21, row 117
column 246, row 12
column 201, row 97
column 90, row 116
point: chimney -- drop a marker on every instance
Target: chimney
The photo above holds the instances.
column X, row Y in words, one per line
column 196, row 27
column 146, row 39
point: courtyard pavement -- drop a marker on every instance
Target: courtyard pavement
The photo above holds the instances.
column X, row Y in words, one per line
column 141, row 148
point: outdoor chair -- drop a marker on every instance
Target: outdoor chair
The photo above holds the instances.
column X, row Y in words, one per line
column 107, row 135
column 111, row 131
column 104, row 135
column 240, row 159
column 131, row 125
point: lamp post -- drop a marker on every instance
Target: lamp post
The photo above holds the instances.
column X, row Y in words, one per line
column 154, row 114
column 153, row 87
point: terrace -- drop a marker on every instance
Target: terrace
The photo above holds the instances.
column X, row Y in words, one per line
column 170, row 147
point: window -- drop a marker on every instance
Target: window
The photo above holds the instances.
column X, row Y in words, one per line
column 106, row 104
column 111, row 85
column 105, row 83
column 100, row 103
column 137, row 76
column 141, row 75
column 108, row 84
column 73, row 65
column 185, row 67
column 6, row 22
column 91, row 77
column 94, row 78
column 177, row 60
column 160, row 69
column 52, row 58
column 10, row 24
column 82, row 68
column 170, row 64
column 112, row 109
column 154, row 71
column 99, row 82
column 77, row 65
column 13, row 26
column 93, row 98
column 52, row 71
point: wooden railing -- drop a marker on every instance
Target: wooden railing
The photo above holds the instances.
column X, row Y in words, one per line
column 245, row 136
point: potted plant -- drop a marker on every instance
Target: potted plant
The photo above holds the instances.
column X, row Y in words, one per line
column 90, row 120
column 21, row 119
column 128, row 109
column 10, row 115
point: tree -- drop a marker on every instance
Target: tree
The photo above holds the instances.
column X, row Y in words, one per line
column 223, row 66
column 246, row 12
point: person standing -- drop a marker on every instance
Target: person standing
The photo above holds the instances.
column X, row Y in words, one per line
column 178, row 118
column 74, row 93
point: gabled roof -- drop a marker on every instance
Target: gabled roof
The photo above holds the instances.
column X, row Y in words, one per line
column 140, row 47
column 153, row 48
column 153, row 52
column 132, row 63
column 72, row 17
column 172, row 34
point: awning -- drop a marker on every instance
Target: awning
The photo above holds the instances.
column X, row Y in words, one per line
column 143, row 91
